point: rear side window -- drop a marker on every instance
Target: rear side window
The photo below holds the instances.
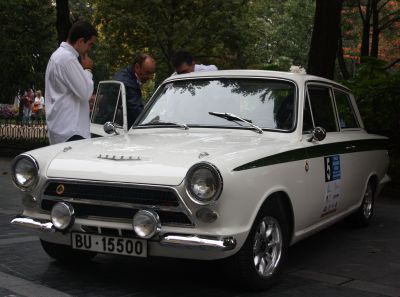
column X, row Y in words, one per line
column 322, row 107
column 347, row 117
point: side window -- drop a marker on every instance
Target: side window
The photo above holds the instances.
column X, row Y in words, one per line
column 347, row 117
column 322, row 107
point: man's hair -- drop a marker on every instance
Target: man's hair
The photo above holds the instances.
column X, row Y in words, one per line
column 182, row 57
column 81, row 29
column 140, row 58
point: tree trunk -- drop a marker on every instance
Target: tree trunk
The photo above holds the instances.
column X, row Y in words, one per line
column 325, row 37
column 63, row 21
column 366, row 20
column 341, row 61
column 375, row 29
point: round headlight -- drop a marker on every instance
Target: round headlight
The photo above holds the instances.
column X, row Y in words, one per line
column 203, row 183
column 62, row 215
column 25, row 171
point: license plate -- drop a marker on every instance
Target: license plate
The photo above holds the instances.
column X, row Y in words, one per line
column 109, row 244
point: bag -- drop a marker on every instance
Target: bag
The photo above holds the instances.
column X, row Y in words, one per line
column 35, row 108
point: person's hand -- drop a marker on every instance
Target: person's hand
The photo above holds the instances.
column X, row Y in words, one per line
column 86, row 61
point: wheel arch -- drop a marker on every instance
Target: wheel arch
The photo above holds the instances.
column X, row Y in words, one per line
column 281, row 201
column 373, row 179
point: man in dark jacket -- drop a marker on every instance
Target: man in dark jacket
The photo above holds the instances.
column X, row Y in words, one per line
column 141, row 70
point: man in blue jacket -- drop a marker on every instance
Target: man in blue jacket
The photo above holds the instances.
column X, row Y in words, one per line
column 133, row 76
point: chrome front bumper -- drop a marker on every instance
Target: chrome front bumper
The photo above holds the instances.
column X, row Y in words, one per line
column 188, row 241
column 195, row 241
column 42, row 225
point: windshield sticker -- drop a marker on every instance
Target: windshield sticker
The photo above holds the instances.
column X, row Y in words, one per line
column 333, row 184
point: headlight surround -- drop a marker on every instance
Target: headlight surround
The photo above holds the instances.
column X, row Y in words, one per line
column 203, row 183
column 25, row 171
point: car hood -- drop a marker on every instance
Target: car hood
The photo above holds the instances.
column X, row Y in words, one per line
column 159, row 156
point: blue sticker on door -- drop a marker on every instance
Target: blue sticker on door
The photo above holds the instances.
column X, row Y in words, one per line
column 332, row 184
column 332, row 168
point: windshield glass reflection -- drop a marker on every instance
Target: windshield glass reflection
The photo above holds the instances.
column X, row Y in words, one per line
column 269, row 104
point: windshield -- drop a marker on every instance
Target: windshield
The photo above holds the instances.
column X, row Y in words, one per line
column 269, row 104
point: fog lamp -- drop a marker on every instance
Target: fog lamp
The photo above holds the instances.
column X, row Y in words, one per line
column 146, row 223
column 62, row 215
column 206, row 215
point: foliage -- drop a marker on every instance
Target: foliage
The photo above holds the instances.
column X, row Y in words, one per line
column 388, row 18
column 378, row 95
column 27, row 37
column 209, row 29
column 230, row 34
column 7, row 111
column 287, row 32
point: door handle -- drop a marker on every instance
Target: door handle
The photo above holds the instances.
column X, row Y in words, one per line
column 350, row 147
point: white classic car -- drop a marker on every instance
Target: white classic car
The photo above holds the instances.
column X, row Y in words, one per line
column 234, row 164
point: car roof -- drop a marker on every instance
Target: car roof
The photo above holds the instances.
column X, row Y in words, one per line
column 246, row 73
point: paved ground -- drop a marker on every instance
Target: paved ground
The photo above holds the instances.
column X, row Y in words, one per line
column 340, row 261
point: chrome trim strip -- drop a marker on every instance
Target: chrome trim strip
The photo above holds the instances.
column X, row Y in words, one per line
column 194, row 241
column 113, row 204
column 42, row 225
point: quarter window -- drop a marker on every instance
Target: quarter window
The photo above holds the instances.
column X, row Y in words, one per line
column 307, row 118
column 347, row 117
column 108, row 105
column 322, row 108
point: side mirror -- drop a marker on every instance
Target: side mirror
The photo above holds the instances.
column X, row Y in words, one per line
column 318, row 133
column 110, row 128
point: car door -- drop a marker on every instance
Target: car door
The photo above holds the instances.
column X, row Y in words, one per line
column 324, row 158
column 354, row 161
column 109, row 106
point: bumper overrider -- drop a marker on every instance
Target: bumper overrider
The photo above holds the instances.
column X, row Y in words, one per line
column 177, row 240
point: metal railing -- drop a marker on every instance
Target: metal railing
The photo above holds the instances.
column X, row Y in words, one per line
column 16, row 136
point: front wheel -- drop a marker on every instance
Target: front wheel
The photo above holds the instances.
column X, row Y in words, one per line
column 66, row 254
column 259, row 262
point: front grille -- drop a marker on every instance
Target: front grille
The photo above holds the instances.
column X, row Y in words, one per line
column 109, row 231
column 91, row 210
column 157, row 197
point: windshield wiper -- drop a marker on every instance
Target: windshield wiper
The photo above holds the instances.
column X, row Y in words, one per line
column 161, row 123
column 233, row 118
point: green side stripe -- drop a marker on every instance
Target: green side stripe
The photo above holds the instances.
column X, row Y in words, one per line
column 344, row 147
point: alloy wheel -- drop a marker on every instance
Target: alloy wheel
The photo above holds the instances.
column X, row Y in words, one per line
column 267, row 246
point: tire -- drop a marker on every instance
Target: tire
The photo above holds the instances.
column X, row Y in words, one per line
column 259, row 262
column 65, row 254
column 363, row 216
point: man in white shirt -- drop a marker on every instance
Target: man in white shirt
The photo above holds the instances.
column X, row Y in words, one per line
column 184, row 63
column 69, row 85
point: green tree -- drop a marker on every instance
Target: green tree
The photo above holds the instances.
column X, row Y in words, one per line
column 27, row 37
column 230, row 34
column 287, row 29
column 215, row 31
column 378, row 95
